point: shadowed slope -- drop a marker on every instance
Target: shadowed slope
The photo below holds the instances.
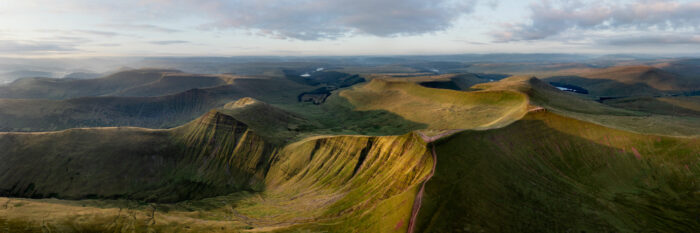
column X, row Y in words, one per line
column 653, row 77
column 171, row 83
column 673, row 106
column 50, row 88
column 274, row 123
column 152, row 112
column 213, row 155
column 547, row 173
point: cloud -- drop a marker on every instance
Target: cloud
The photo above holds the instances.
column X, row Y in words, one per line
column 142, row 27
column 169, row 42
column 298, row 19
column 97, row 32
column 654, row 40
column 109, row 45
column 13, row 46
column 305, row 19
column 80, row 31
column 551, row 18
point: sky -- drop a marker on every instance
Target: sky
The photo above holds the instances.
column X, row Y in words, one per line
column 87, row 28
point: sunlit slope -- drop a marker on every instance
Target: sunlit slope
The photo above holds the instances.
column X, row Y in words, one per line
column 346, row 183
column 440, row 108
column 212, row 155
column 548, row 173
column 329, row 183
column 543, row 95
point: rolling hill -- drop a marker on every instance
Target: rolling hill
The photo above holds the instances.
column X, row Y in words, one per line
column 52, row 88
column 150, row 111
column 454, row 109
column 387, row 155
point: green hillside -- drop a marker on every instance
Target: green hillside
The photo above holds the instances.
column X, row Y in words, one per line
column 548, row 173
column 512, row 155
column 304, row 185
column 439, row 108
column 569, row 104
column 209, row 156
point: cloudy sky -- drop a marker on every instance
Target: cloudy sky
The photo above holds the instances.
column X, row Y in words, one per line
column 36, row 28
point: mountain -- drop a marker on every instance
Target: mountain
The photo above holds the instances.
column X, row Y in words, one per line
column 625, row 81
column 145, row 82
column 150, row 111
column 9, row 77
column 135, row 163
column 397, row 153
column 216, row 154
column 439, row 108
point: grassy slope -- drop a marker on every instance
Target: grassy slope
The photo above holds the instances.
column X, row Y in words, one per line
column 367, row 183
column 439, row 109
column 565, row 103
column 321, row 183
column 653, row 77
column 276, row 124
column 548, row 173
column 360, row 184
column 607, row 87
column 673, row 106
column 622, row 80
column 212, row 155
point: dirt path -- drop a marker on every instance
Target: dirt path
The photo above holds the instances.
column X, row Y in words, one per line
column 419, row 198
column 428, row 139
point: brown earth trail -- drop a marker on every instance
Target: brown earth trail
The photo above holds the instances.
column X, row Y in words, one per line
column 419, row 197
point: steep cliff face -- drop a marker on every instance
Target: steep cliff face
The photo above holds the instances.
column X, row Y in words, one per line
column 212, row 155
column 220, row 150
column 358, row 182
column 338, row 183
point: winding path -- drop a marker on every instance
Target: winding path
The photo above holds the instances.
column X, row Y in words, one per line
column 419, row 197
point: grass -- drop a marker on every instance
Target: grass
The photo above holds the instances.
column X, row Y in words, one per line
column 275, row 165
column 548, row 173
column 321, row 184
column 671, row 106
column 569, row 104
column 439, row 108
column 213, row 155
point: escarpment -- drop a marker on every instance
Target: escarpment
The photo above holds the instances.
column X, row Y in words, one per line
column 212, row 155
